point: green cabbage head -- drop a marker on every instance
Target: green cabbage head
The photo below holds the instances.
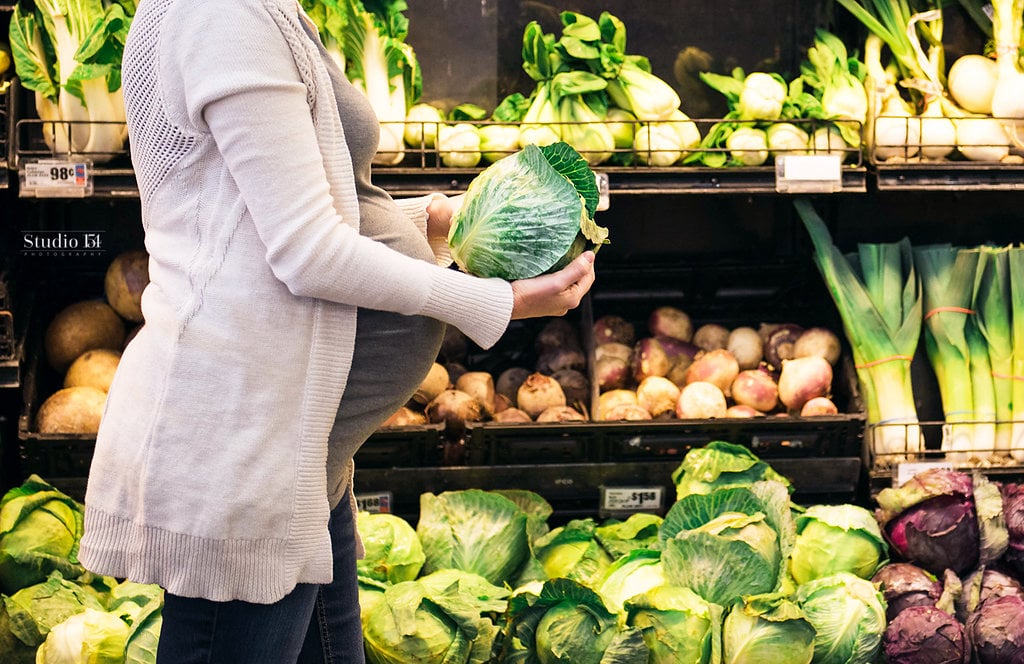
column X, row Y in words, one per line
column 848, row 616
column 836, row 538
column 529, row 213
column 393, row 550
column 677, row 625
column 767, row 628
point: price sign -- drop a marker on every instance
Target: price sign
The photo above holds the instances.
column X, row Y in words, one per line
column 56, row 178
column 906, row 471
column 379, row 503
column 808, row 174
column 632, row 499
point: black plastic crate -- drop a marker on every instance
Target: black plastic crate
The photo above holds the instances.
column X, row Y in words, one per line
column 536, row 443
column 402, row 447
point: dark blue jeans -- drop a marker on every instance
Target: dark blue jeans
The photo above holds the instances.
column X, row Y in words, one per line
column 312, row 625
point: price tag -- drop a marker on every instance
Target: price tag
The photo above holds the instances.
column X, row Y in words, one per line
column 379, row 503
column 57, row 178
column 632, row 498
column 808, row 174
column 906, row 471
column 604, row 199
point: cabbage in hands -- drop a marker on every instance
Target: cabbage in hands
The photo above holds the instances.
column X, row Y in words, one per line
column 527, row 214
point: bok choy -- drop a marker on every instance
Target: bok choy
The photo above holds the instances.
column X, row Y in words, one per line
column 68, row 52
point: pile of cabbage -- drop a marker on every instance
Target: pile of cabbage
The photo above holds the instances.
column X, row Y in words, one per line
column 52, row 611
column 733, row 572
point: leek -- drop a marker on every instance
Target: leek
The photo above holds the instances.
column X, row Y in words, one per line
column 878, row 295
column 956, row 349
column 991, row 302
column 1016, row 265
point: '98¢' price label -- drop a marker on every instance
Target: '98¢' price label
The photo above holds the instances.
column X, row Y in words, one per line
column 56, row 177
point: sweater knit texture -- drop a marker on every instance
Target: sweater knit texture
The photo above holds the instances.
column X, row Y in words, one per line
column 209, row 471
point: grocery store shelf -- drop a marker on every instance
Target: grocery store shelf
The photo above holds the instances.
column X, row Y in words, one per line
column 949, row 176
column 574, row 490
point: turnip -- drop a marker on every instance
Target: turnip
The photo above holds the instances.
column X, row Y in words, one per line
column 819, row 341
column 480, row 386
column 670, row 322
column 509, row 381
column 739, row 410
column 614, row 349
column 454, row 408
column 538, row 393
column 627, row 411
column 556, row 359
column 575, row 385
column 819, row 406
column 511, row 416
column 746, row 346
column 700, row 401
column 755, row 388
column 612, row 373
column 612, row 398
column 718, row 367
column 436, row 381
column 649, row 359
column 501, row 402
column 802, row 379
column 711, row 336
column 404, row 417
column 614, row 329
column 557, row 333
column 780, row 343
column 561, row 414
column 657, row 395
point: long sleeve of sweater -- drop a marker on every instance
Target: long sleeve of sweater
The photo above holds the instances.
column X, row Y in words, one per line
column 255, row 106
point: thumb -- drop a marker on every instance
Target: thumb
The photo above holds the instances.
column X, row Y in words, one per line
column 577, row 269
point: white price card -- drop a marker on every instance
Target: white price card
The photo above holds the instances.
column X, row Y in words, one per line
column 379, row 503
column 632, row 498
column 603, row 192
column 56, row 178
column 809, row 173
column 906, row 471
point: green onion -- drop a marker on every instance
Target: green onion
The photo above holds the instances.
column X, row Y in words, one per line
column 878, row 295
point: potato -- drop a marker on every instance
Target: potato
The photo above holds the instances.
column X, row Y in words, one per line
column 126, row 278
column 82, row 326
column 72, row 410
column 94, row 368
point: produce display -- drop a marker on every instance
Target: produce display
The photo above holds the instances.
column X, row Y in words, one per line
column 958, row 304
column 82, row 345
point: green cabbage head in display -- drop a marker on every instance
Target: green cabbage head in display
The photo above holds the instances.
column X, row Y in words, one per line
column 393, row 550
column 767, row 628
column 529, row 213
column 848, row 615
column 836, row 538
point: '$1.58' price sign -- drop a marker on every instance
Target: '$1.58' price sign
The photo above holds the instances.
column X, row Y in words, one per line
column 632, row 499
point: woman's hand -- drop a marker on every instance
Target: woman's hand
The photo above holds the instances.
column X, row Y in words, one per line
column 556, row 293
column 440, row 211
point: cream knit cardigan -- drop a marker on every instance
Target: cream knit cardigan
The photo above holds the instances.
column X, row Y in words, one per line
column 209, row 471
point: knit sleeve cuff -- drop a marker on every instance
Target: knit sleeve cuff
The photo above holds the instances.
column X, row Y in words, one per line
column 480, row 308
column 416, row 210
